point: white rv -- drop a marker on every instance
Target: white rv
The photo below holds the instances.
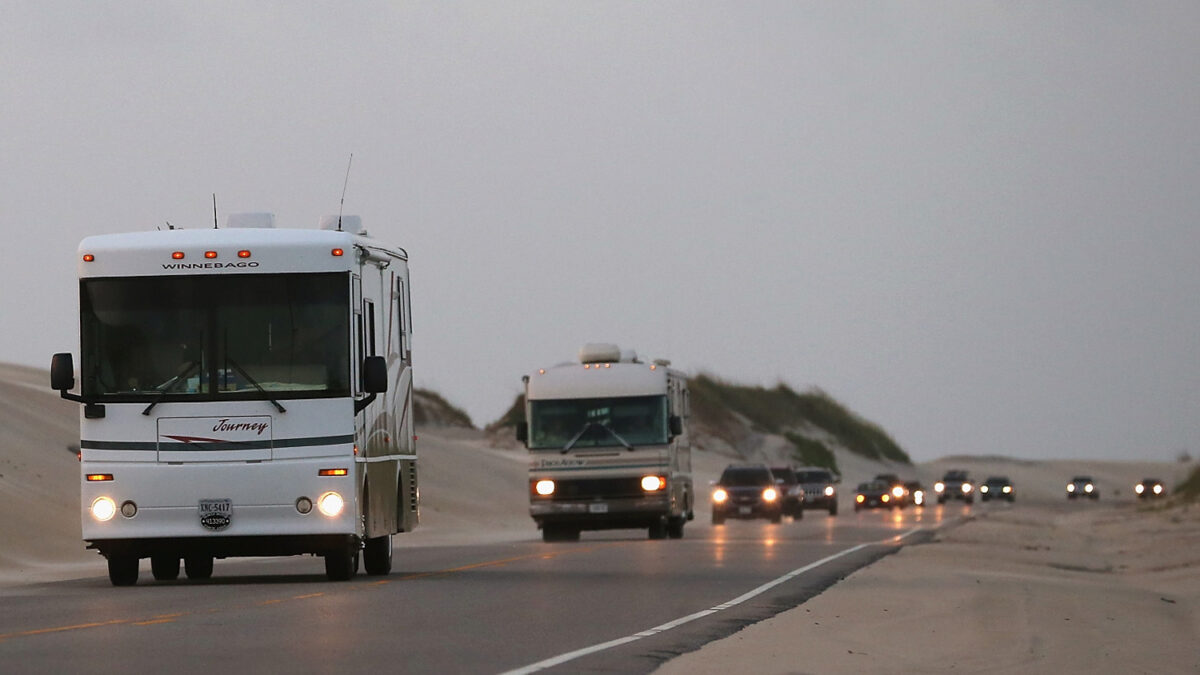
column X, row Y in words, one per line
column 608, row 446
column 247, row 391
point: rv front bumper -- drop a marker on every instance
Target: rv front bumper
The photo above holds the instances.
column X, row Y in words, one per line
column 602, row 512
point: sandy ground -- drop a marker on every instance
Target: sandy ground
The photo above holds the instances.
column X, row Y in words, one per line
column 1050, row 587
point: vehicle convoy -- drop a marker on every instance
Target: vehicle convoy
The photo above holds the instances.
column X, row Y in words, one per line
column 876, row 494
column 1150, row 488
column 820, row 488
column 608, row 445
column 791, row 491
column 1084, row 487
column 997, row 487
column 955, row 484
column 747, row 491
column 247, row 391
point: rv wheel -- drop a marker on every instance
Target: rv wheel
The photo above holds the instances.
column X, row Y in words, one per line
column 164, row 567
column 198, row 566
column 377, row 555
column 122, row 570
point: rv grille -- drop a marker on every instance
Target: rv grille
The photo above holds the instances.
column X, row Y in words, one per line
column 607, row 488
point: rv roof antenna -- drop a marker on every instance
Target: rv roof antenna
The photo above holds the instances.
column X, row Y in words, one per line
column 214, row 210
column 344, row 184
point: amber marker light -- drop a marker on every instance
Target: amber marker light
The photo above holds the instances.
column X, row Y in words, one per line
column 333, row 472
column 337, row 252
column 243, row 253
column 210, row 254
column 177, row 255
column 88, row 257
column 93, row 477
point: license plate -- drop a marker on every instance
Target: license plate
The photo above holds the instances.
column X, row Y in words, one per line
column 597, row 508
column 744, row 510
column 216, row 514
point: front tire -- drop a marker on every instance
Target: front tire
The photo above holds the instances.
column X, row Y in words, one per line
column 377, row 556
column 675, row 527
column 164, row 567
column 833, row 509
column 198, row 566
column 122, row 570
column 341, row 566
column 658, row 530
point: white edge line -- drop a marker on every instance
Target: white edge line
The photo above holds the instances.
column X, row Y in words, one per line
column 571, row 656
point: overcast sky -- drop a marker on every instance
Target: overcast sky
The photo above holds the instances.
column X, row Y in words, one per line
column 976, row 224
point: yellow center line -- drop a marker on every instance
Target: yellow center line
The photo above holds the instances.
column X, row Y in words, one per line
column 168, row 618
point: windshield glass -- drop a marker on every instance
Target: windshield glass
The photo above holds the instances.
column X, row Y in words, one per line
column 210, row 337
column 814, row 476
column 746, row 477
column 598, row 422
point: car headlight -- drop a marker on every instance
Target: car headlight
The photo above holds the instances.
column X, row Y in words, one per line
column 1087, row 488
column 1139, row 488
column 939, row 487
column 103, row 509
column 885, row 498
column 1007, row 489
column 331, row 504
column 1071, row 487
column 544, row 487
column 828, row 490
column 897, row 492
column 860, row 499
column 770, row 494
column 966, row 488
column 1158, row 489
column 720, row 495
column 653, row 483
column 983, row 488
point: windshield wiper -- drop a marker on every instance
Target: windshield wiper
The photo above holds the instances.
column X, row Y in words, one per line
column 170, row 384
column 571, row 443
column 254, row 382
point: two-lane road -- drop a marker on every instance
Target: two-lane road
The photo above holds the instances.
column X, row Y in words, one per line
column 612, row 602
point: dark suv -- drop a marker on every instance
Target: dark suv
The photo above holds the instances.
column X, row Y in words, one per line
column 790, row 491
column 955, row 485
column 820, row 488
column 747, row 491
column 997, row 487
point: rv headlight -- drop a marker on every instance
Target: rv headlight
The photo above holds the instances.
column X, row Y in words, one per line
column 331, row 504
column 129, row 509
column 828, row 490
column 653, row 483
column 719, row 496
column 770, row 494
column 544, row 487
column 939, row 486
column 103, row 509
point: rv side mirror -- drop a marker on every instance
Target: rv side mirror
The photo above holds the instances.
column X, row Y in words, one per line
column 62, row 372
column 374, row 375
column 676, row 423
column 522, row 431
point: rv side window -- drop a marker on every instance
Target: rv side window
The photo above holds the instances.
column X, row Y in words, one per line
column 369, row 308
column 400, row 311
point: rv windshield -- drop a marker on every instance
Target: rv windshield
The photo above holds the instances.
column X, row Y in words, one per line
column 214, row 337
column 598, row 422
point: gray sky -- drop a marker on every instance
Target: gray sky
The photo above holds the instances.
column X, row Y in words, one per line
column 977, row 224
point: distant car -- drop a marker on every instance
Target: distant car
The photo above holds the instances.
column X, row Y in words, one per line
column 820, row 488
column 1150, row 488
column 874, row 494
column 1082, row 486
column 997, row 487
column 747, row 491
column 793, row 492
column 917, row 493
column 900, row 494
column 955, row 485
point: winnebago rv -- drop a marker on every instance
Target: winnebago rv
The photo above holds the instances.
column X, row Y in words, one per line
column 247, row 391
column 608, row 446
